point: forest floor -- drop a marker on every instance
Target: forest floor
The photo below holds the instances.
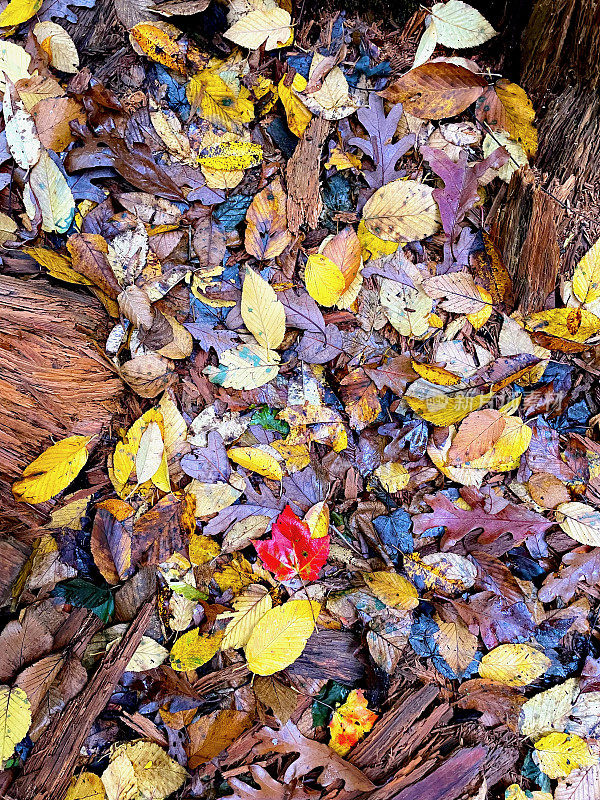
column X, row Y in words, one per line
column 301, row 469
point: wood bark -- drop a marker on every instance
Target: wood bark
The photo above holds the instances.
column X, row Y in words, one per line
column 304, row 202
column 554, row 203
column 50, row 766
column 55, row 381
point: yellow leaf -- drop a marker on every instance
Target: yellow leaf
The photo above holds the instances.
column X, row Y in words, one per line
column 558, row 754
column 350, row 722
column 504, row 453
column 393, row 476
column 257, row 460
column 402, row 211
column 250, row 606
column 281, row 635
column 268, row 26
column 86, row 786
column 324, row 280
column 373, row 246
column 298, row 115
column 392, row 589
column 247, row 366
column 58, row 266
column 445, row 572
column 572, row 324
column 435, row 374
column 514, row 664
column 479, row 318
column 20, row 131
column 202, row 549
column 518, row 115
column 586, row 278
column 15, row 719
column 442, row 405
column 158, row 45
column 235, row 576
column 580, row 521
column 56, row 42
column 317, row 519
column 262, row 312
column 156, row 774
column 53, row 471
column 53, row 194
column 217, row 101
column 231, row 156
column 194, row 649
column 18, row 11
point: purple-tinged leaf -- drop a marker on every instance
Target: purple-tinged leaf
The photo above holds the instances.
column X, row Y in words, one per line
column 461, row 181
column 379, row 147
column 316, row 348
column 208, row 464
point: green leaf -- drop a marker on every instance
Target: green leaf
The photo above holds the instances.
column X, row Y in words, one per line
column 331, row 696
column 265, row 417
column 84, row 594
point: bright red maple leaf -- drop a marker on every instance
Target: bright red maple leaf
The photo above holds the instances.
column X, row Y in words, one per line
column 291, row 552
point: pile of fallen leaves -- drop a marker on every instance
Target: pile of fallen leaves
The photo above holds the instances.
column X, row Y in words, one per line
column 360, row 491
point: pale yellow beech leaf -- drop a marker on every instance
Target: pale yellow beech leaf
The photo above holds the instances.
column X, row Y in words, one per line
column 427, row 45
column 586, row 278
column 250, row 606
column 580, row 521
column 459, row 25
column 119, row 779
column 558, row 754
column 332, row 100
column 393, row 476
column 402, row 211
column 214, row 497
column 194, row 649
column 549, row 710
column 15, row 719
column 257, row 460
column 280, row 636
column 50, row 189
column 149, row 454
column 324, row 280
column 57, row 43
column 514, row 792
column 514, row 664
column 20, row 131
column 156, row 774
column 268, row 26
column 247, row 366
column 518, row 156
column 392, row 589
column 263, row 313
column 14, row 62
column 456, row 644
column 53, row 471
column 407, row 309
